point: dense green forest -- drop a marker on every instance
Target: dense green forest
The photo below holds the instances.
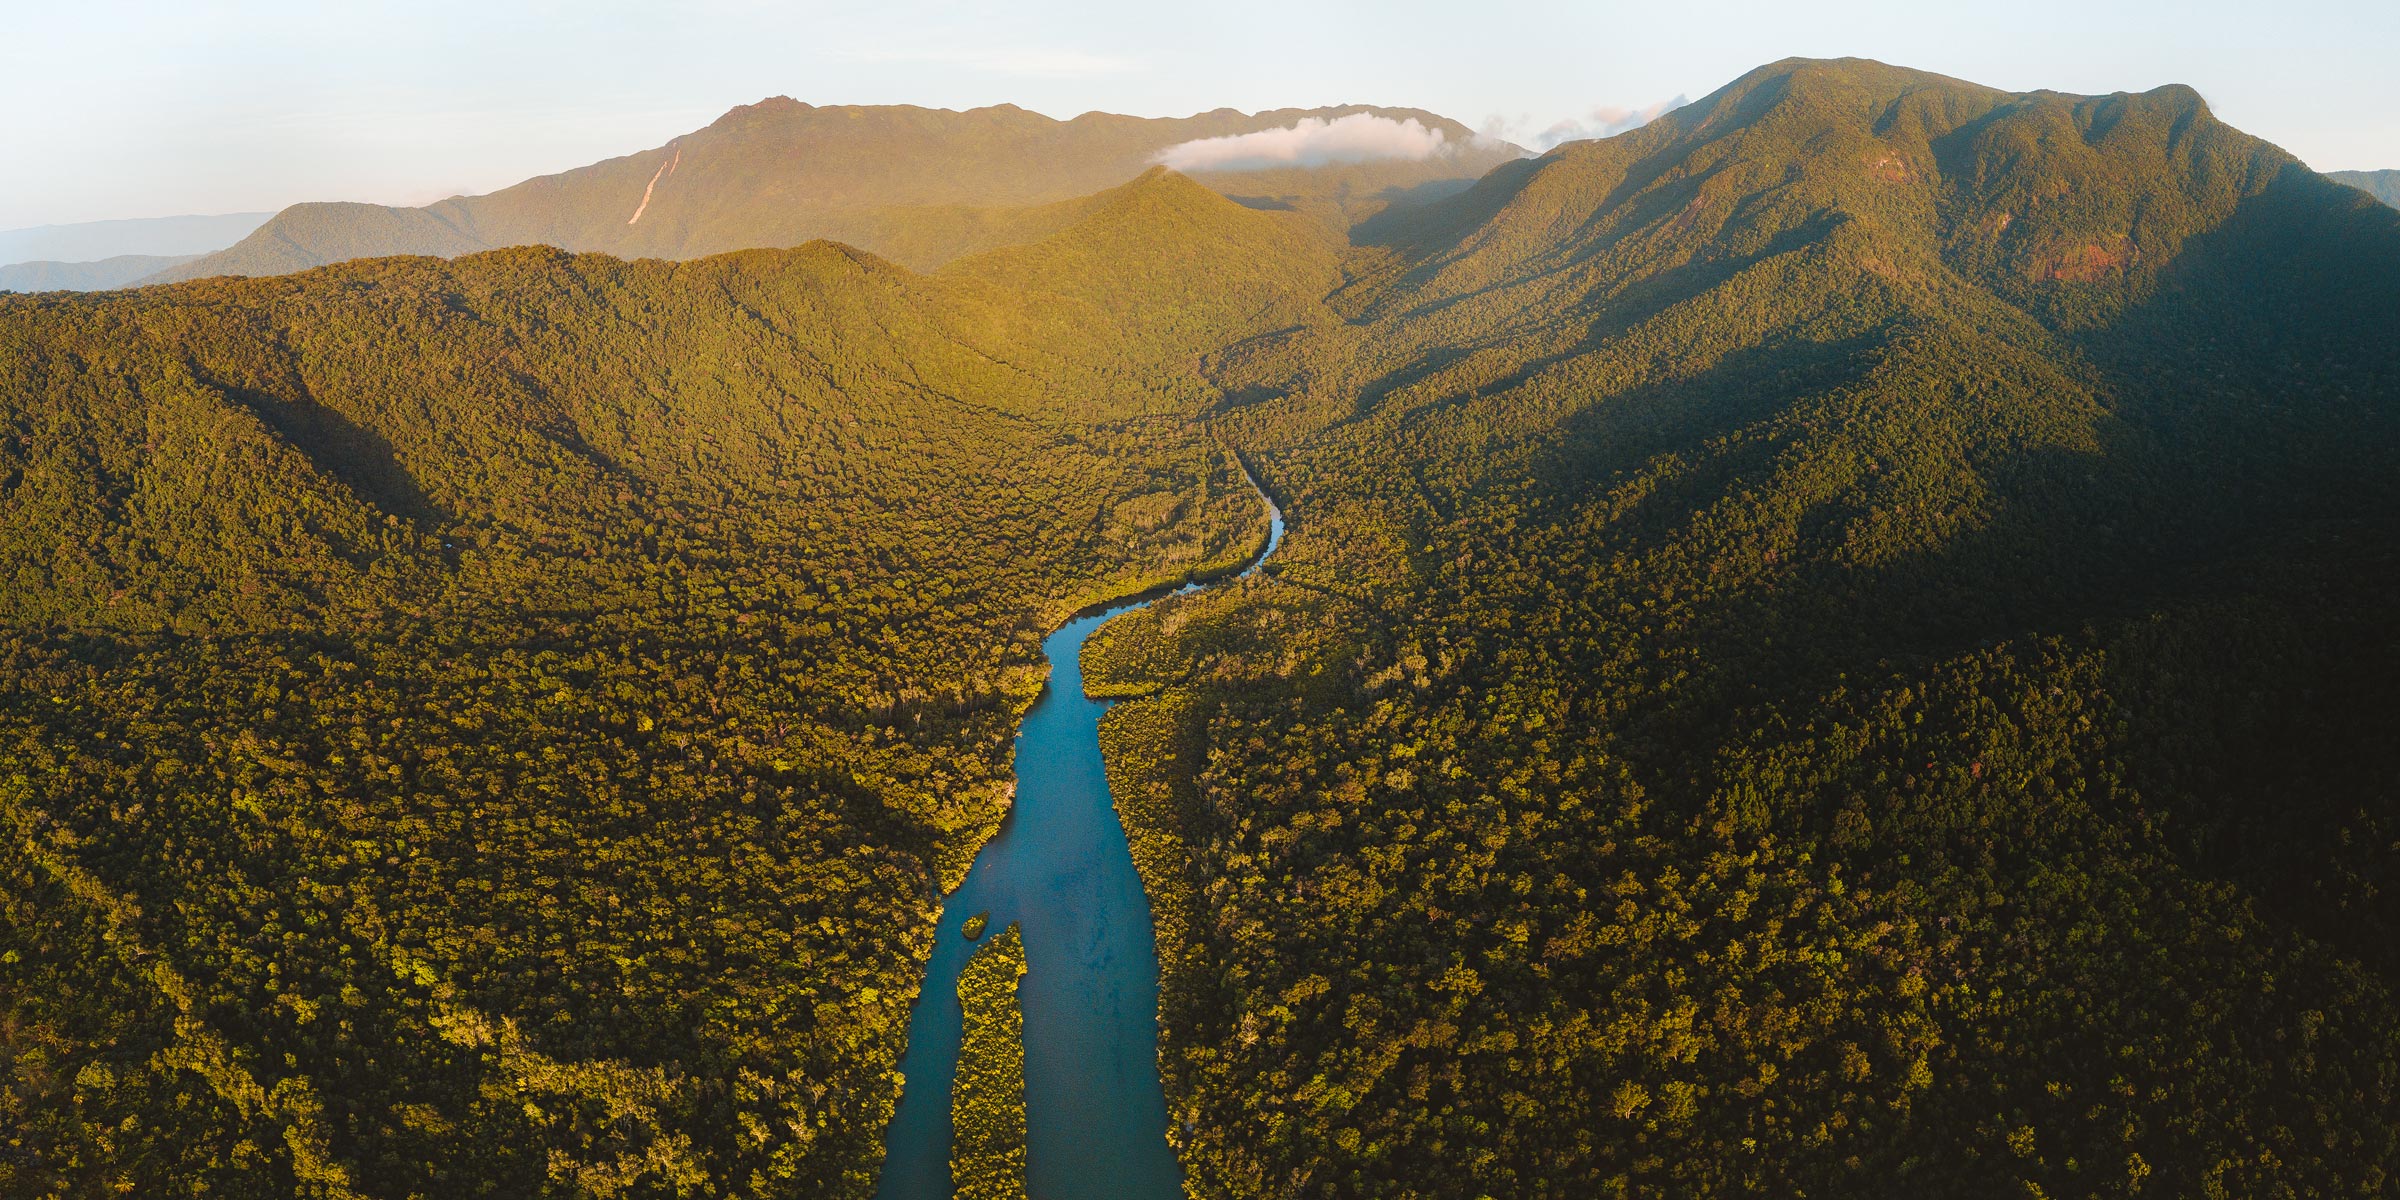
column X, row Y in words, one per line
column 503, row 727
column 987, row 1110
column 1835, row 644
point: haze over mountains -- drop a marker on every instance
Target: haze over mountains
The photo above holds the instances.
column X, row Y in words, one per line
column 918, row 186
column 92, row 240
column 2383, row 185
column 100, row 275
column 1837, row 643
column 108, row 254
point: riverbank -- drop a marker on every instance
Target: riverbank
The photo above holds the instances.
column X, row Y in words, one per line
column 1062, row 868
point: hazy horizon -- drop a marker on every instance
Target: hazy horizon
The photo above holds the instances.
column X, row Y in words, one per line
column 222, row 108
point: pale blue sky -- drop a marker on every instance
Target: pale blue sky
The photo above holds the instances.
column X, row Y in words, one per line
column 128, row 109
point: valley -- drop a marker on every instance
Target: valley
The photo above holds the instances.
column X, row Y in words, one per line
column 1832, row 643
column 1060, row 869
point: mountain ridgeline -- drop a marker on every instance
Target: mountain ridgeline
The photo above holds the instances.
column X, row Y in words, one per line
column 1833, row 644
column 918, row 186
column 98, row 255
column 2383, row 185
column 1836, row 644
column 100, row 275
column 165, row 237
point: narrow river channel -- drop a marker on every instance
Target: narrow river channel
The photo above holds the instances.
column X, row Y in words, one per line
column 1095, row 1120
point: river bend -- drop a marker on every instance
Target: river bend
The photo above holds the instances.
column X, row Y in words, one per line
column 1060, row 867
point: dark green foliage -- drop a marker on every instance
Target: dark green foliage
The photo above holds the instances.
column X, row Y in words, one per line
column 1835, row 645
column 987, row 1104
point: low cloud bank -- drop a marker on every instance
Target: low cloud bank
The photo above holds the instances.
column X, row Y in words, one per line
column 1313, row 142
column 1608, row 120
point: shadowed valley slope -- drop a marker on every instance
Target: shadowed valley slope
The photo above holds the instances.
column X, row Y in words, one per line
column 1834, row 644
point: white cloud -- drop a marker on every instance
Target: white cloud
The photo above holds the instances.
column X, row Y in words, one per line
column 1608, row 120
column 1022, row 60
column 1312, row 142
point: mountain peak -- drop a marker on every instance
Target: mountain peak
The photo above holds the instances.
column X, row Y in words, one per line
column 1833, row 87
column 772, row 106
column 2057, row 203
column 1868, row 73
column 1816, row 89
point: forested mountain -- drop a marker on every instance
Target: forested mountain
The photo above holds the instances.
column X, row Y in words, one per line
column 2383, row 185
column 503, row 726
column 921, row 186
column 1837, row 644
column 42, row 276
column 1834, row 644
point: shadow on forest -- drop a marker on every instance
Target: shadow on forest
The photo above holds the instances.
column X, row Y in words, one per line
column 2241, row 474
column 362, row 459
column 1640, row 301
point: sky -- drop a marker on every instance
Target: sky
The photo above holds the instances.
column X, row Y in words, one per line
column 119, row 108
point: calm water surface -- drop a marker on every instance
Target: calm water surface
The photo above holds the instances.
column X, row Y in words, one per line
column 1095, row 1120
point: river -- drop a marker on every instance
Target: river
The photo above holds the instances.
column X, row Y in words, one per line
column 1060, row 867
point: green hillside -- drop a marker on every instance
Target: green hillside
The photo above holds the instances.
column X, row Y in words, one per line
column 919, row 186
column 1832, row 645
column 2383, row 185
column 503, row 726
column 315, row 234
column 1166, row 266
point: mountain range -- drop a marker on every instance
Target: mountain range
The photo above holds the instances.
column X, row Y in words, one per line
column 1835, row 643
column 2383, row 185
column 1829, row 645
column 918, row 186
column 164, row 237
column 116, row 272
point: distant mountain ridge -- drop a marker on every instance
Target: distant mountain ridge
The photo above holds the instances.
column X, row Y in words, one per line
column 2383, row 185
column 918, row 185
column 88, row 241
column 42, row 275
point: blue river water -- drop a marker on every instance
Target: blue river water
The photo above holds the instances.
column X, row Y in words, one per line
column 1060, row 867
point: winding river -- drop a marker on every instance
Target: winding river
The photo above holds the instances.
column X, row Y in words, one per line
column 1095, row 1119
